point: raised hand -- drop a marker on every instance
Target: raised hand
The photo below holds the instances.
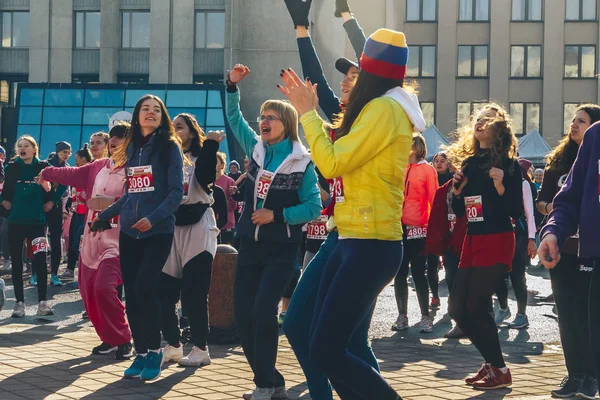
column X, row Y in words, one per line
column 302, row 94
column 341, row 6
column 299, row 10
column 217, row 136
column 238, row 73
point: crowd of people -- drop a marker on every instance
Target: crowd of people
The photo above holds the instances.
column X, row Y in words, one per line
column 147, row 204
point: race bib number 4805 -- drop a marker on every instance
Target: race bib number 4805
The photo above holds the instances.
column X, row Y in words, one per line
column 474, row 208
column 416, row 232
column 140, row 179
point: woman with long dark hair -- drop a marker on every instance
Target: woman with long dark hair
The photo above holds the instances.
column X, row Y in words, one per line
column 488, row 190
column 572, row 276
column 153, row 161
column 373, row 142
column 188, row 270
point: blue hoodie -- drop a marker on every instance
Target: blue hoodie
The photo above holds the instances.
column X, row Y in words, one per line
column 159, row 205
column 577, row 204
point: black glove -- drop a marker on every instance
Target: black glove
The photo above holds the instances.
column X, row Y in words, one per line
column 341, row 6
column 299, row 11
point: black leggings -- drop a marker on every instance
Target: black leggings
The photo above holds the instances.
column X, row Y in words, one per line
column 414, row 254
column 54, row 218
column 193, row 288
column 517, row 277
column 433, row 276
column 142, row 261
column 18, row 234
column 469, row 307
column 571, row 289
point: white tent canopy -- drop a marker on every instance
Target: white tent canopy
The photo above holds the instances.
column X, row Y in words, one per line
column 534, row 148
column 434, row 140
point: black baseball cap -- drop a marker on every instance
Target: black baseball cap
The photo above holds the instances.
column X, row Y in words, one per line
column 343, row 65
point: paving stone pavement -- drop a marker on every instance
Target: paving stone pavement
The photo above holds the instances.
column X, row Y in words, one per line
column 43, row 362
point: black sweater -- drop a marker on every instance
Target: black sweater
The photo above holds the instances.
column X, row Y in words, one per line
column 496, row 210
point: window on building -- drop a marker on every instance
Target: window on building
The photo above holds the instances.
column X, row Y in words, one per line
column 135, row 30
column 4, row 92
column 421, row 63
column 526, row 61
column 474, row 10
column 132, row 79
column 472, row 61
column 569, row 113
column 14, row 28
column 210, row 30
column 428, row 109
column 87, row 30
column 527, row 10
column 464, row 110
column 85, row 78
column 525, row 117
column 580, row 61
column 581, row 10
column 421, row 10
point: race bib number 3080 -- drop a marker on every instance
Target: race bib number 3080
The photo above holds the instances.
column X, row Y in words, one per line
column 140, row 179
column 474, row 208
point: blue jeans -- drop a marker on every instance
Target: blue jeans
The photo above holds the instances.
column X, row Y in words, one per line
column 298, row 318
column 349, row 288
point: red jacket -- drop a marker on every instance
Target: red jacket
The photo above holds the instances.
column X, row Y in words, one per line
column 439, row 237
column 420, row 185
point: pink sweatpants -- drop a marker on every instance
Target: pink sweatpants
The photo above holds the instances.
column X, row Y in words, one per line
column 98, row 289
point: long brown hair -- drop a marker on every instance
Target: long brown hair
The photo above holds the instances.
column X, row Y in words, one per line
column 563, row 156
column 198, row 136
column 503, row 145
column 367, row 88
column 164, row 133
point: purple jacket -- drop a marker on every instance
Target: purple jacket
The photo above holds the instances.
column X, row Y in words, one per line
column 577, row 204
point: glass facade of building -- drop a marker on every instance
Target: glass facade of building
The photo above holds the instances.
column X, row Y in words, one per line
column 73, row 112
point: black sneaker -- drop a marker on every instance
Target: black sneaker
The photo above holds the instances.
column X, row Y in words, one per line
column 588, row 388
column 568, row 387
column 124, row 352
column 103, row 349
column 84, row 315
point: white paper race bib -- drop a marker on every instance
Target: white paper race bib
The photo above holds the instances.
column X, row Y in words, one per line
column 474, row 208
column 187, row 179
column 39, row 245
column 263, row 184
column 317, row 229
column 416, row 232
column 140, row 179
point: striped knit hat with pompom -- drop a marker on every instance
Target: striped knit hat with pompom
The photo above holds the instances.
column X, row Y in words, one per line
column 385, row 54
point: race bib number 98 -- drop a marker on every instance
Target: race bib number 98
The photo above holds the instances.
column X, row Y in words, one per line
column 140, row 179
column 263, row 184
column 474, row 208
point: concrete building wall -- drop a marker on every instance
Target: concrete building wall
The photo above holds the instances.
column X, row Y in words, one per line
column 160, row 40
column 39, row 41
column 61, row 41
column 110, row 40
column 182, row 49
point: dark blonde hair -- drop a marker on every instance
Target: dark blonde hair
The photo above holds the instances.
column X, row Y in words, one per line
column 419, row 146
column 104, row 137
column 31, row 141
column 503, row 144
column 288, row 115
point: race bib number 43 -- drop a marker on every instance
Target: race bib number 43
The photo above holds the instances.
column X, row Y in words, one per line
column 337, row 190
column 263, row 184
column 474, row 208
column 140, row 179
column 416, row 232
column 317, row 229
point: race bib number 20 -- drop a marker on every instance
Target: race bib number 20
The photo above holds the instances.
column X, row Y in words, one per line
column 474, row 208
column 140, row 179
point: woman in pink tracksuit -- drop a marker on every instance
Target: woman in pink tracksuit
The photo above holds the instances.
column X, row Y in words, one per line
column 99, row 263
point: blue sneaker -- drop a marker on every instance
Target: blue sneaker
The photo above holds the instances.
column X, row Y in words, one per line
column 54, row 281
column 154, row 362
column 33, row 280
column 135, row 371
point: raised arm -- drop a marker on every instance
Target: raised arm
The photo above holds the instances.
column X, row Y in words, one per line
column 245, row 135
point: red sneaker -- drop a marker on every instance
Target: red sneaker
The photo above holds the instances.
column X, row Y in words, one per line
column 435, row 303
column 479, row 375
column 494, row 379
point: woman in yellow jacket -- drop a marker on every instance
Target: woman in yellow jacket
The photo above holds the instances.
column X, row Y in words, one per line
column 420, row 185
column 371, row 153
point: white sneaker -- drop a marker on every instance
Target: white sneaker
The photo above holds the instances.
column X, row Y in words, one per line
column 6, row 266
column 401, row 323
column 261, row 394
column 44, row 309
column 279, row 393
column 196, row 358
column 19, row 310
column 172, row 353
column 2, row 292
column 426, row 324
